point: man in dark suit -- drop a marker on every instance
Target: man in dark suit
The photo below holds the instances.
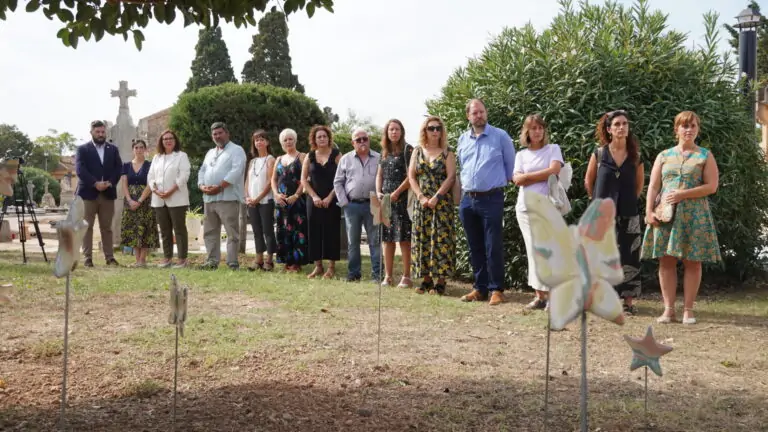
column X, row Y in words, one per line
column 98, row 168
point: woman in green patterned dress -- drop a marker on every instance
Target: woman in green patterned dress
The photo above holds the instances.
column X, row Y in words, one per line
column 139, row 227
column 431, row 174
column 684, row 176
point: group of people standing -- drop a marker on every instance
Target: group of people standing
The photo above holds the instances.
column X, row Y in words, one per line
column 295, row 201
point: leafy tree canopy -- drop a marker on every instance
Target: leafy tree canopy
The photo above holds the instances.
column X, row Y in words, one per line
column 83, row 19
column 14, row 143
column 596, row 58
column 352, row 122
column 212, row 64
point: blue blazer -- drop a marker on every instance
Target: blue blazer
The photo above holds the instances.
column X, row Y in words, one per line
column 90, row 170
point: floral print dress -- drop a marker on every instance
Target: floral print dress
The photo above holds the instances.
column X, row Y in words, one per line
column 291, row 220
column 692, row 234
column 433, row 242
column 394, row 172
column 139, row 227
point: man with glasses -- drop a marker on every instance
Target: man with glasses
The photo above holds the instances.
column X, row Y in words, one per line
column 221, row 179
column 355, row 180
column 98, row 166
column 487, row 159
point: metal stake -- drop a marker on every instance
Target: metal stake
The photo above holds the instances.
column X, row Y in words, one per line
column 546, row 374
column 583, row 398
column 175, row 376
column 646, row 392
column 62, row 420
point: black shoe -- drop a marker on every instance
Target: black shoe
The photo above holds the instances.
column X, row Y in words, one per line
column 88, row 262
column 208, row 266
column 354, row 278
column 234, row 266
column 112, row 262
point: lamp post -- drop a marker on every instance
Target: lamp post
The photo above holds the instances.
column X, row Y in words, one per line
column 747, row 22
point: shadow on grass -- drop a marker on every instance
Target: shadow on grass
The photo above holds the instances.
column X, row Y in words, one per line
column 385, row 403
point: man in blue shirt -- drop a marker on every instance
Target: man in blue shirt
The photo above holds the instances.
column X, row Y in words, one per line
column 487, row 160
column 221, row 179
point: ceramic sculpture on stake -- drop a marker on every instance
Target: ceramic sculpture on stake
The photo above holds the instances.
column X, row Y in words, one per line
column 646, row 352
column 70, row 233
column 177, row 317
column 9, row 169
column 581, row 265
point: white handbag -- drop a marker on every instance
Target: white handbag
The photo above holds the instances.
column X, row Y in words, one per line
column 558, row 188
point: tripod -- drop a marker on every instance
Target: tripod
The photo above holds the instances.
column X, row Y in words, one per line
column 24, row 206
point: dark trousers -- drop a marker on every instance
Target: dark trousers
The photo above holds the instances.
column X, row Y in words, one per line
column 173, row 220
column 324, row 232
column 482, row 219
column 262, row 219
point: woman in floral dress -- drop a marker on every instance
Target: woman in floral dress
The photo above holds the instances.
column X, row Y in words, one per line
column 139, row 228
column 392, row 179
column 431, row 173
column 682, row 176
column 290, row 209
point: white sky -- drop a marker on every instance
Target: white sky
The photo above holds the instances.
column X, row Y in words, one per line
column 380, row 58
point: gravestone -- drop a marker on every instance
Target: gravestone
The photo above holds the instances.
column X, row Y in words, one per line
column 47, row 201
column 122, row 135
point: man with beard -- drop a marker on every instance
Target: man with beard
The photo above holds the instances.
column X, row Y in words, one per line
column 487, row 159
column 98, row 166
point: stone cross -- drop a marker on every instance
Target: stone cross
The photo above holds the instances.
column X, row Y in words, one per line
column 31, row 190
column 46, row 185
column 123, row 93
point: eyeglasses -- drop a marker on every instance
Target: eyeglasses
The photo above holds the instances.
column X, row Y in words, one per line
column 434, row 128
column 169, row 138
column 361, row 140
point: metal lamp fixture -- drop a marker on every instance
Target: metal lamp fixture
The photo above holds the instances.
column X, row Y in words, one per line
column 748, row 19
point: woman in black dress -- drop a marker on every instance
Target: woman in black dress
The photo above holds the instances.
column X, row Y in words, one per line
column 290, row 209
column 392, row 179
column 615, row 171
column 324, row 215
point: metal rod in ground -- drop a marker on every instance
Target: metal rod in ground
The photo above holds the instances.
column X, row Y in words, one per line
column 546, row 373
column 646, row 392
column 380, row 281
column 583, row 398
column 62, row 418
column 175, row 377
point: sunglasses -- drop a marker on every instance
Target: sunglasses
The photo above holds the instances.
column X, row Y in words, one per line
column 434, row 128
column 361, row 140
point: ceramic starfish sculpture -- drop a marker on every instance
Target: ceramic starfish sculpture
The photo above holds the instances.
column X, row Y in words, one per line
column 178, row 303
column 580, row 264
column 70, row 232
column 8, row 171
column 647, row 352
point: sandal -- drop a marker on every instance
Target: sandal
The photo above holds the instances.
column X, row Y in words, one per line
column 666, row 317
column 316, row 272
column 256, row 266
column 268, row 266
column 387, row 281
column 629, row 309
column 405, row 282
column 688, row 321
column 536, row 303
column 439, row 288
column 330, row 273
column 425, row 286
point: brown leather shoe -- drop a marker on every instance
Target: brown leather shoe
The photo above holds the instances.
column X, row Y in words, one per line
column 475, row 295
column 497, row 297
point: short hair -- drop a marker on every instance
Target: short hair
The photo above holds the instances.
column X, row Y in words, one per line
column 685, row 118
column 97, row 123
column 533, row 119
column 219, row 125
column 137, row 142
column 286, row 133
column 160, row 149
column 259, row 133
column 469, row 104
column 315, row 129
column 357, row 130
column 423, row 132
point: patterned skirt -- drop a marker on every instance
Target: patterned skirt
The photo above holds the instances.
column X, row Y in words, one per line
column 139, row 228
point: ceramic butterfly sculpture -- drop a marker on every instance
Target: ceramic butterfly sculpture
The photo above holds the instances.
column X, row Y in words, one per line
column 381, row 209
column 580, row 263
column 9, row 169
column 70, row 232
column 178, row 304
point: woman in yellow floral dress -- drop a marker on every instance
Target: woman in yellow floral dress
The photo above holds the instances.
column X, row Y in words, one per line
column 684, row 176
column 431, row 174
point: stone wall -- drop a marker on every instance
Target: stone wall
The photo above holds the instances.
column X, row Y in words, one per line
column 152, row 126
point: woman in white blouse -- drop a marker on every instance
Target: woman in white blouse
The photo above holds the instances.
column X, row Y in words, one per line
column 258, row 198
column 167, row 179
column 533, row 166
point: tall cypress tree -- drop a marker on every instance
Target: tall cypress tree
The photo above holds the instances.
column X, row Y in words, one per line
column 212, row 65
column 271, row 61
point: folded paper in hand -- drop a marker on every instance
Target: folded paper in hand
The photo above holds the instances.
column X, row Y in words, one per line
column 558, row 186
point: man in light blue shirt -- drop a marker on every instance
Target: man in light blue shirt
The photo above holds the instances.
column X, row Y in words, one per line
column 487, row 159
column 221, row 180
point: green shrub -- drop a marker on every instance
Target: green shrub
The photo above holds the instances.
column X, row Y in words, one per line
column 37, row 177
column 244, row 108
column 594, row 59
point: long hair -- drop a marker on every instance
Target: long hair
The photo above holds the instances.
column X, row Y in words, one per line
column 259, row 133
column 604, row 137
column 530, row 121
column 387, row 146
column 423, row 132
column 176, row 143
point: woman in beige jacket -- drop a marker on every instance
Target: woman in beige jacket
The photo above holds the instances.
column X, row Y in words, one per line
column 167, row 179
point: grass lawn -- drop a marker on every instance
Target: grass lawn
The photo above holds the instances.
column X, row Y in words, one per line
column 276, row 352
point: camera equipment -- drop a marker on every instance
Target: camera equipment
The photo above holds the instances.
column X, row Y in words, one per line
column 23, row 205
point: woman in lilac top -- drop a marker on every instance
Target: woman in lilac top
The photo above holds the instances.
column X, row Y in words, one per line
column 533, row 166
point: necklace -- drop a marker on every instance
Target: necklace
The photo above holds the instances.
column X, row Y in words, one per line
column 261, row 168
column 218, row 153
